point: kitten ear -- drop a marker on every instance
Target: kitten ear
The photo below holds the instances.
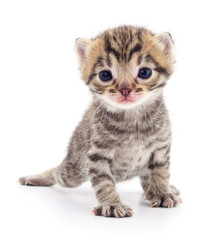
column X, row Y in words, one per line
column 81, row 45
column 166, row 42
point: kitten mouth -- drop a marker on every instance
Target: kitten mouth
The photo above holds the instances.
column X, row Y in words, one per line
column 127, row 100
column 131, row 99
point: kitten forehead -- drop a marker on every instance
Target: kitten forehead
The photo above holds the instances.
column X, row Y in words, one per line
column 123, row 42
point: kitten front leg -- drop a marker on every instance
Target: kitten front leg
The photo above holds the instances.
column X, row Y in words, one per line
column 103, row 183
column 158, row 190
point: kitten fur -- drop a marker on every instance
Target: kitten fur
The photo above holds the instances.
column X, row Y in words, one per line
column 126, row 130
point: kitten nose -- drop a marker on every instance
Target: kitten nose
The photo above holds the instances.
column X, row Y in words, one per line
column 125, row 91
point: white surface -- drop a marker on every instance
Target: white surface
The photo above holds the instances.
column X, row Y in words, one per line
column 42, row 99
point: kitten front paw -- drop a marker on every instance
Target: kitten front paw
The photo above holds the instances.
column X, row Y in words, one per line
column 114, row 210
column 168, row 200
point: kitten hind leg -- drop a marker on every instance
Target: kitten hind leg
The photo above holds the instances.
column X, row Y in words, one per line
column 66, row 174
column 43, row 179
column 71, row 174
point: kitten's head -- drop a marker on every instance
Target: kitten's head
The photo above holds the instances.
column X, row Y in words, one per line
column 126, row 66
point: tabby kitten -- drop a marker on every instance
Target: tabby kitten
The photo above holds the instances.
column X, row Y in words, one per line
column 126, row 130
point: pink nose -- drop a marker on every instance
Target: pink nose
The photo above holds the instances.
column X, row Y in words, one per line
column 125, row 91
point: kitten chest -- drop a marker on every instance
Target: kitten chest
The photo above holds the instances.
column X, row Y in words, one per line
column 129, row 160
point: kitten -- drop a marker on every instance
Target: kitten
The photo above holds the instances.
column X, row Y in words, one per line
column 126, row 130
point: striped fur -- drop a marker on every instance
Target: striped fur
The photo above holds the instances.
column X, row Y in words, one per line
column 115, row 142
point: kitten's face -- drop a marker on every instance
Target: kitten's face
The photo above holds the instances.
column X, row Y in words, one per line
column 126, row 66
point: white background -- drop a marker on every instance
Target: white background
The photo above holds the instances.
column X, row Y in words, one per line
column 42, row 99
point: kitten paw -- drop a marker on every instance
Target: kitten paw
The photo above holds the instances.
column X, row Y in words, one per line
column 44, row 179
column 169, row 200
column 29, row 181
column 115, row 210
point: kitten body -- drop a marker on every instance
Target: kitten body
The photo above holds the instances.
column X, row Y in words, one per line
column 126, row 130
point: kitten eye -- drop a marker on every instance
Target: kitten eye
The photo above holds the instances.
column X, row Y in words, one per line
column 105, row 75
column 144, row 73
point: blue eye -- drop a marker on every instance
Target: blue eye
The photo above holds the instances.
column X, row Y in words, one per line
column 144, row 73
column 105, row 75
